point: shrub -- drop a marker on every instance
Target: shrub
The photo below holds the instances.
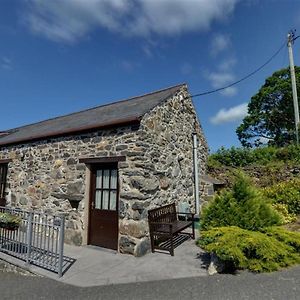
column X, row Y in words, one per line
column 288, row 237
column 241, row 157
column 284, row 213
column 288, row 153
column 287, row 193
column 8, row 220
column 243, row 206
column 233, row 157
column 252, row 250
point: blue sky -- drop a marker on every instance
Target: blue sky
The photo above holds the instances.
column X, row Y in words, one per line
column 62, row 56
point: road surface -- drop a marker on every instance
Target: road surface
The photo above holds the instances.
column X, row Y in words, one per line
column 280, row 285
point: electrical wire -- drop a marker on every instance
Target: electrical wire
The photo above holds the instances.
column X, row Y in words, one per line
column 243, row 78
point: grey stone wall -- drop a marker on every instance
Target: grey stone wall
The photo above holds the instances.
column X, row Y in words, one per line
column 206, row 189
column 46, row 175
column 162, row 172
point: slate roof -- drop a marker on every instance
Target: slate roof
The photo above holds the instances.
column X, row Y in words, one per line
column 109, row 115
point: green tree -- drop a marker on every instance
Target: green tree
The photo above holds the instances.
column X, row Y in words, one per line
column 270, row 116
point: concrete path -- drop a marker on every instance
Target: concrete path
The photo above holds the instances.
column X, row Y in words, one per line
column 95, row 266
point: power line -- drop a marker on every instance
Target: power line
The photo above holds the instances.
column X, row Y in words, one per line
column 243, row 78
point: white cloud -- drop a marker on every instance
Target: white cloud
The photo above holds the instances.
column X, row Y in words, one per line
column 227, row 64
column 220, row 79
column 219, row 43
column 224, row 76
column 230, row 91
column 263, row 140
column 6, row 63
column 68, row 21
column 230, row 115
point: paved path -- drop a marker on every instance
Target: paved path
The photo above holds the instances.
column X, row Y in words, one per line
column 280, row 285
column 96, row 266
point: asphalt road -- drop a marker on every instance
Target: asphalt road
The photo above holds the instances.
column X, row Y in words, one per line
column 280, row 285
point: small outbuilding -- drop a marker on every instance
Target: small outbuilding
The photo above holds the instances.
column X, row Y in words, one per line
column 106, row 166
column 209, row 186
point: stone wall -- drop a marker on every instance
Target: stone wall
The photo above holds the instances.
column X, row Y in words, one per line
column 162, row 172
column 47, row 175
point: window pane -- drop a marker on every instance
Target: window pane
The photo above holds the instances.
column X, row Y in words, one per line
column 105, row 200
column 113, row 180
column 98, row 200
column 113, row 200
column 99, row 179
column 106, row 179
column 3, row 173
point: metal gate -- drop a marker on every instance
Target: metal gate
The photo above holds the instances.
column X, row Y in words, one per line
column 39, row 240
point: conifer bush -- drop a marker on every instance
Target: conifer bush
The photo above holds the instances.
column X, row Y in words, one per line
column 239, row 227
column 243, row 206
column 252, row 250
column 288, row 237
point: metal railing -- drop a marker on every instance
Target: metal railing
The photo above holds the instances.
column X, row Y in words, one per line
column 39, row 239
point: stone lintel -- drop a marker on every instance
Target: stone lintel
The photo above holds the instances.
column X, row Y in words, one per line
column 95, row 160
column 5, row 161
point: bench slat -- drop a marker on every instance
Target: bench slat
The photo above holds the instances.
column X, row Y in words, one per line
column 177, row 226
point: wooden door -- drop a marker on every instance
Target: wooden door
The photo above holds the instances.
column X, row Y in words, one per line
column 104, row 217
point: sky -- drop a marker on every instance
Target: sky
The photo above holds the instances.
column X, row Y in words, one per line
column 62, row 56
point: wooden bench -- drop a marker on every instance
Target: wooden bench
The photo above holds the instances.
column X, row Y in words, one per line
column 165, row 226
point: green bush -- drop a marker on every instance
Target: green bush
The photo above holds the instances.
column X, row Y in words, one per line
column 9, row 221
column 243, row 206
column 285, row 193
column 284, row 213
column 288, row 237
column 7, row 218
column 256, row 251
column 241, row 157
column 233, row 157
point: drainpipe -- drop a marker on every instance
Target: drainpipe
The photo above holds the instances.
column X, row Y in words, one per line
column 196, row 175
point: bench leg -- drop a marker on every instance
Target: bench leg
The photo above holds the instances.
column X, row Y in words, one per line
column 152, row 243
column 193, row 230
column 172, row 245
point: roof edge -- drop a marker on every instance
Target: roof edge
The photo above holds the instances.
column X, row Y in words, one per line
column 55, row 134
column 167, row 98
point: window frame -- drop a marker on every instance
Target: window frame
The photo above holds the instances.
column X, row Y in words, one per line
column 3, row 179
column 108, row 189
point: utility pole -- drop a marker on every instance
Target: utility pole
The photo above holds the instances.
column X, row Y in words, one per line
column 291, row 38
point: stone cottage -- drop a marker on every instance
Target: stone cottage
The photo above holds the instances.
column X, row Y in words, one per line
column 106, row 166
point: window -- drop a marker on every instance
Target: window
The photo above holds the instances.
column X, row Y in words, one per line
column 3, row 174
column 106, row 189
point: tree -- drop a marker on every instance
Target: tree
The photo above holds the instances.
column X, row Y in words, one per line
column 270, row 118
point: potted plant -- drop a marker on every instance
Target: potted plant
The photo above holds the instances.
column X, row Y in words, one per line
column 9, row 221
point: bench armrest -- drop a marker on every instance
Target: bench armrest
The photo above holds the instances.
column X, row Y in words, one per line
column 185, row 213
